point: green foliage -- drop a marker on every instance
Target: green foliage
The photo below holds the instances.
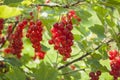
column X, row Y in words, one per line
column 99, row 30
column 11, row 1
column 45, row 71
column 15, row 74
column 13, row 62
column 99, row 23
column 70, row 74
column 7, row 12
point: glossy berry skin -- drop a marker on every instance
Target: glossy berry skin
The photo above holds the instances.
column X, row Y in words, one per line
column 40, row 55
column 9, row 30
column 114, row 63
column 34, row 33
column 98, row 73
column 113, row 54
column 72, row 14
column 91, row 74
column 95, row 75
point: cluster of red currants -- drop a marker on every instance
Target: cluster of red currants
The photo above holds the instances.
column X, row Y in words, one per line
column 1, row 25
column 1, row 28
column 34, row 33
column 114, row 63
column 95, row 76
column 62, row 38
column 16, row 45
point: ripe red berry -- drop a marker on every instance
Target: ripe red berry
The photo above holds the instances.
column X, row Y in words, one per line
column 25, row 22
column 40, row 54
column 98, row 73
column 114, row 63
column 31, row 13
column 7, row 50
column 1, row 25
column 9, row 30
column 51, row 42
column 91, row 74
column 95, row 75
column 113, row 54
column 72, row 67
column 71, row 13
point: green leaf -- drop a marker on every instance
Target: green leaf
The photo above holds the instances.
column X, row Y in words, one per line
column 39, row 1
column 99, row 30
column 44, row 48
column 101, row 13
column 28, row 47
column 103, row 52
column 13, row 61
column 110, row 21
column 114, row 2
column 84, row 14
column 95, row 65
column 71, row 75
column 48, row 22
column 44, row 72
column 105, row 63
column 26, row 2
column 25, row 58
column 106, row 76
column 11, row 1
column 77, row 37
column 16, row 74
column 83, row 30
column 97, row 56
column 82, row 46
column 7, row 12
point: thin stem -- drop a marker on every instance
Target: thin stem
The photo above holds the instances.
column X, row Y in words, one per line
column 70, row 72
column 58, row 5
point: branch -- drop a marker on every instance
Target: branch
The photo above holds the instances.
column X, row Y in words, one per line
column 7, row 37
column 76, row 3
column 47, row 5
column 58, row 5
column 72, row 72
column 83, row 56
